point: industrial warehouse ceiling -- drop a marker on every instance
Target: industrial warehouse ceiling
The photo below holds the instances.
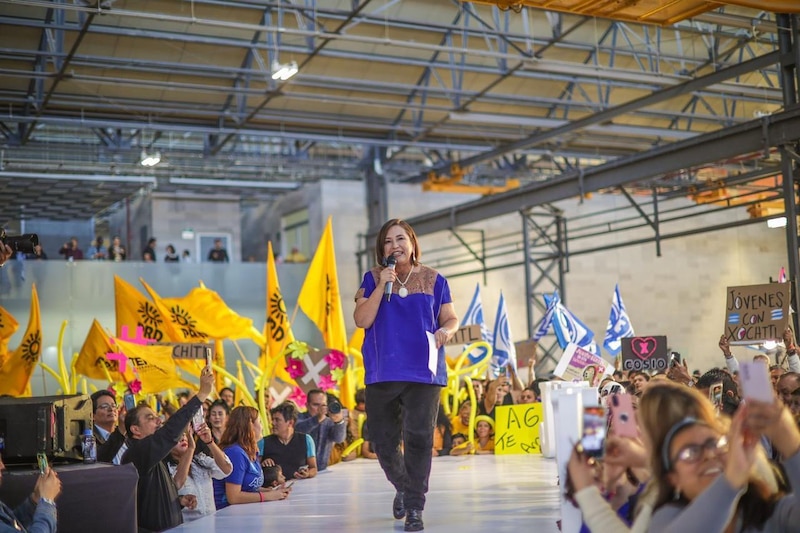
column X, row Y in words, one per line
column 388, row 87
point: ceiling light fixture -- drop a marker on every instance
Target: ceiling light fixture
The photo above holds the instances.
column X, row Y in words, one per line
column 779, row 222
column 150, row 160
column 284, row 71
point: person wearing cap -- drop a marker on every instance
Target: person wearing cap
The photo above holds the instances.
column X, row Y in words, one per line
column 484, row 435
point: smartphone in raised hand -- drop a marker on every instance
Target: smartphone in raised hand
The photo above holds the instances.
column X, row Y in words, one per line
column 41, row 459
column 593, row 439
column 715, row 392
column 755, row 382
column 623, row 420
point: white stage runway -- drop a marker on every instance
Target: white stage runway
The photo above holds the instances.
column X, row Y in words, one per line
column 483, row 493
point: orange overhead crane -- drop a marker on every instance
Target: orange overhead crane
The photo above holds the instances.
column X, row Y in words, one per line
column 452, row 183
column 662, row 12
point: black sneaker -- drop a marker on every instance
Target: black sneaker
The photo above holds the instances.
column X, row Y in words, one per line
column 398, row 507
column 414, row 520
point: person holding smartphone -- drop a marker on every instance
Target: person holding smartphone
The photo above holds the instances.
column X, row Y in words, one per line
column 38, row 511
column 149, row 443
column 408, row 314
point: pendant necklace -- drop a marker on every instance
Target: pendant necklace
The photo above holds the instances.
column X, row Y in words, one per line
column 403, row 292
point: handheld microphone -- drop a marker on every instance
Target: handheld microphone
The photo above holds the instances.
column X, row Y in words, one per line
column 387, row 291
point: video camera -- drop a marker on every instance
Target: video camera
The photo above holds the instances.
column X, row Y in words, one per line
column 20, row 243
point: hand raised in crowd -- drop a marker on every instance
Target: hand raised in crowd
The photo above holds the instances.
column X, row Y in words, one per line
column 122, row 411
column 741, row 450
column 788, row 338
column 679, row 373
column 581, row 470
column 204, row 432
column 206, row 384
column 725, row 346
column 48, row 485
column 189, row 501
column 625, row 452
column 776, row 422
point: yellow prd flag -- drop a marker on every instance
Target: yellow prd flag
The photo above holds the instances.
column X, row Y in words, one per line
column 203, row 314
column 319, row 297
column 135, row 310
column 277, row 330
column 92, row 361
column 154, row 365
column 15, row 375
column 8, row 326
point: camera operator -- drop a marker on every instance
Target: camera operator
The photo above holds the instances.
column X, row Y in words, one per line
column 325, row 422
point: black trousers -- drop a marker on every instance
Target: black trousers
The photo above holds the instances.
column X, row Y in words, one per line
column 399, row 409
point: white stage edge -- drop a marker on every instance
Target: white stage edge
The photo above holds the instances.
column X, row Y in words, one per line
column 485, row 493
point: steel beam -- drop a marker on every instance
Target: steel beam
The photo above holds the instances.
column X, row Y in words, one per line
column 780, row 128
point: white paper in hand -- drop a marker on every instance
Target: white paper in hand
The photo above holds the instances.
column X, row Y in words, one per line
column 433, row 353
column 754, row 379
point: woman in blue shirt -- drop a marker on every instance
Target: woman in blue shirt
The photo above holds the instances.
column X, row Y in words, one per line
column 408, row 314
column 240, row 443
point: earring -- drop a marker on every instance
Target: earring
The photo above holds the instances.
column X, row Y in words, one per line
column 677, row 495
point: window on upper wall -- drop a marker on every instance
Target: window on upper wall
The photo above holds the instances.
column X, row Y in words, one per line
column 295, row 236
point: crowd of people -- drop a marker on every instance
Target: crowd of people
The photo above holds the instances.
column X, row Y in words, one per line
column 699, row 454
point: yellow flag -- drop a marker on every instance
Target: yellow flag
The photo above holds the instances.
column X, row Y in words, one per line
column 278, row 330
column 135, row 310
column 92, row 358
column 238, row 395
column 15, row 375
column 203, row 314
column 8, row 326
column 154, row 365
column 319, row 297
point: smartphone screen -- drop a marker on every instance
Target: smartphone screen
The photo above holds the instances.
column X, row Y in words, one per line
column 623, row 420
column 198, row 420
column 41, row 458
column 715, row 394
column 594, row 431
column 755, row 383
column 130, row 401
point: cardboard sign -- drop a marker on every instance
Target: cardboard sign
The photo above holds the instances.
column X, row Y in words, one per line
column 189, row 350
column 466, row 335
column 757, row 313
column 516, row 429
column 645, row 354
column 577, row 364
column 525, row 351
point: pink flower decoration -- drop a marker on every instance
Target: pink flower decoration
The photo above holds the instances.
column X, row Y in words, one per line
column 298, row 397
column 335, row 359
column 295, row 368
column 135, row 386
column 326, row 383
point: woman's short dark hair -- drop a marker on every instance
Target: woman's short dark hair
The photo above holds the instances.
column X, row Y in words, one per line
column 415, row 254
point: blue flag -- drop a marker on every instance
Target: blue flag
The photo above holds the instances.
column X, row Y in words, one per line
column 619, row 324
column 474, row 315
column 504, row 351
column 568, row 328
column 544, row 324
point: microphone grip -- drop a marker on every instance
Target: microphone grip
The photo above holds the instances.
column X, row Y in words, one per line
column 387, row 290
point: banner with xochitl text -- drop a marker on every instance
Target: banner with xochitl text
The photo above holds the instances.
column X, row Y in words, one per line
column 757, row 313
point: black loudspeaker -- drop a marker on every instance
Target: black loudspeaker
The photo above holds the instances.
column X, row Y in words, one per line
column 46, row 424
